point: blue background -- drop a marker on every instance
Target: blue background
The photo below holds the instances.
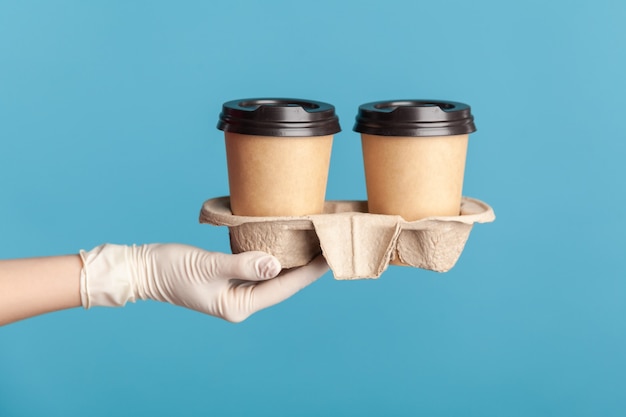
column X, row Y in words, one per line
column 107, row 134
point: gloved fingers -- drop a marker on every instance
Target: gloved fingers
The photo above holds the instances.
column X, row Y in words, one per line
column 249, row 266
column 275, row 290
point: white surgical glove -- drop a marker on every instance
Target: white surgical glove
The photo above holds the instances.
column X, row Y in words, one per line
column 231, row 287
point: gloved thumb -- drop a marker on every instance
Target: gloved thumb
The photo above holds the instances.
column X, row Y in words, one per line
column 249, row 266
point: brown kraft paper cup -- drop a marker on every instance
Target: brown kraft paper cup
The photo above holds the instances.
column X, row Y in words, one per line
column 278, row 154
column 414, row 156
column 277, row 176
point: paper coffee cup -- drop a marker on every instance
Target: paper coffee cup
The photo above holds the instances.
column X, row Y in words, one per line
column 278, row 154
column 414, row 155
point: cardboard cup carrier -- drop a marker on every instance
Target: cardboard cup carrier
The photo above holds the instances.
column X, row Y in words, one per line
column 278, row 154
column 355, row 243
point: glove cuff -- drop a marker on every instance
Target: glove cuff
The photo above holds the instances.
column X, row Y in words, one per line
column 106, row 278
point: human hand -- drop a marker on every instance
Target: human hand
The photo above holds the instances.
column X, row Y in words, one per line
column 231, row 287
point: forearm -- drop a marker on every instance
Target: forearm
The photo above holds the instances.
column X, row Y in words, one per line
column 33, row 286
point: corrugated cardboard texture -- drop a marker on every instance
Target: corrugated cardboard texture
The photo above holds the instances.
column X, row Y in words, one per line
column 356, row 244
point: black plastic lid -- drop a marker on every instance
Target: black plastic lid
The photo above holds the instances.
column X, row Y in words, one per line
column 415, row 118
column 279, row 117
